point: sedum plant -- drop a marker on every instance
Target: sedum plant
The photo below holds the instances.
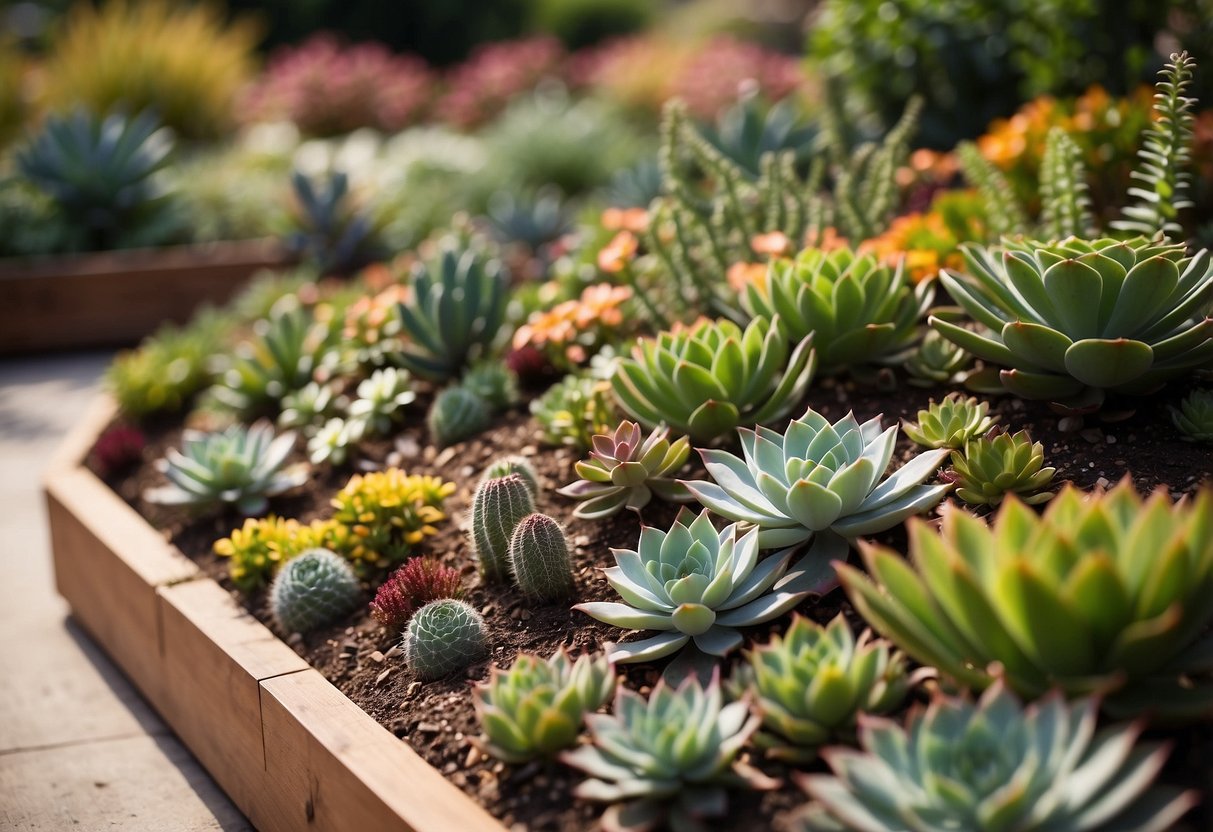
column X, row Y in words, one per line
column 262, row 545
column 312, row 590
column 1105, row 591
column 707, row 379
column 812, row 683
column 817, row 478
column 413, row 585
column 334, row 439
column 695, row 583
column 457, row 414
column 380, row 399
column 537, row 707
column 993, row 467
column 667, row 760
column 442, row 637
column 625, row 470
column 995, row 766
column 1071, row 321
column 574, row 410
column 498, row 506
column 859, row 311
column 240, row 466
column 540, row 560
column 937, row 361
column 514, row 464
column 1194, row 416
column 950, row 423
column 389, row 513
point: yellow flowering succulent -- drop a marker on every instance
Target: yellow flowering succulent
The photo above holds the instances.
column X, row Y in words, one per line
column 259, row 547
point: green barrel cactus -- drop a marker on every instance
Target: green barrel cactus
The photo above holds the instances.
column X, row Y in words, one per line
column 498, row 506
column 457, row 414
column 520, row 465
column 494, row 382
column 311, row 590
column 443, row 637
column 540, row 560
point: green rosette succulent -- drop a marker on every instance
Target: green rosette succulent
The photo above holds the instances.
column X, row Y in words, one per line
column 309, row 406
column 994, row 766
column 817, row 477
column 937, row 361
column 707, row 379
column 240, row 466
column 334, row 439
column 950, row 423
column 694, row 583
column 1103, row 592
column 668, row 759
column 1194, row 416
column 858, row 310
column 1073, row 320
column 537, row 707
column 993, row 467
column 311, row 590
column 811, row 684
column 380, row 399
column 626, row 469
column 442, row 637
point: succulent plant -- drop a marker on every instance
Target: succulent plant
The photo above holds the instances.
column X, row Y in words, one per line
column 311, row 590
column 572, row 411
column 937, row 361
column 1194, row 416
column 990, row 468
column 442, row 637
column 168, row 368
column 707, row 379
column 531, row 221
column 380, row 398
column 995, row 765
column 626, row 469
column 389, row 513
column 118, row 449
column 859, row 310
column 811, row 685
column 240, row 466
column 670, row 758
column 513, row 464
column 498, row 506
column 540, row 560
column 950, row 423
column 817, row 477
column 452, row 316
column 262, row 545
column 1073, row 320
column 695, row 583
column 308, row 406
column 494, row 382
column 330, row 233
column 538, row 706
column 413, row 585
column 1101, row 592
column 457, row 414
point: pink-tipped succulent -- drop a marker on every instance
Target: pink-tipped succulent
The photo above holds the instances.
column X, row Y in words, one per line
column 117, row 448
column 410, row 587
column 625, row 471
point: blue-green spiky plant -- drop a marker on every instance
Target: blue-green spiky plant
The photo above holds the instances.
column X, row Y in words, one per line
column 457, row 414
column 443, row 637
column 540, row 559
column 316, row 588
column 497, row 508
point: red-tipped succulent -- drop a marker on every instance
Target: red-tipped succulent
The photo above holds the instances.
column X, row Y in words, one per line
column 412, row 586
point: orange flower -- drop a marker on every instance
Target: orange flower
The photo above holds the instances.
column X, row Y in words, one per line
column 365, row 318
column 567, row 324
column 625, row 219
column 615, row 256
column 774, row 243
column 741, row 275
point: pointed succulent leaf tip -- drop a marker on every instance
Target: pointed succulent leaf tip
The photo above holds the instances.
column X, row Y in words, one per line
column 625, row 471
column 312, row 590
column 498, row 506
column 992, row 467
column 950, row 423
column 442, row 637
column 994, row 765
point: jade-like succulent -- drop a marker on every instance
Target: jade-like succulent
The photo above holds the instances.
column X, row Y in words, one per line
column 380, row 398
column 626, row 469
column 711, row 377
column 859, row 311
column 811, row 684
column 574, row 410
column 1073, row 320
column 308, row 406
column 540, row 560
column 694, row 582
column 333, row 441
column 494, row 382
column 950, row 423
column 443, row 637
column 1102, row 592
column 313, row 589
column 993, row 467
column 1194, row 416
column 457, row 414
column 520, row 465
column 995, row 766
column 537, row 707
column 498, row 506
column 937, row 361
column 669, row 759
column 817, row 477
column 240, row 466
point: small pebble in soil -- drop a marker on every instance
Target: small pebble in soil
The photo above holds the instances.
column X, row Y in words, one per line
column 1069, row 424
column 382, row 676
column 377, row 657
column 394, row 652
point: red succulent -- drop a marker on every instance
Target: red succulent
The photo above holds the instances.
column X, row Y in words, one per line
column 119, row 447
column 410, row 587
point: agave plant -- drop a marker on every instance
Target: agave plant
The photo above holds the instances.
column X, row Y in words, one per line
column 1194, row 416
column 859, row 310
column 817, row 477
column 239, row 466
column 1073, row 320
column 995, row 765
column 626, row 469
column 1102, row 592
column 537, row 707
column 670, row 758
column 950, row 423
column 329, row 230
column 695, row 583
column 705, row 380
column 993, row 467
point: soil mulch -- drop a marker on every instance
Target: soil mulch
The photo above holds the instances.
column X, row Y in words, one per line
column 437, row 719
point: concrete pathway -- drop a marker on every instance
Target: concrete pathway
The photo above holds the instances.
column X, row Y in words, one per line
column 79, row 748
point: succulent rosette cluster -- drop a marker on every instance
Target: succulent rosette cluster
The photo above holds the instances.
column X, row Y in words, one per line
column 626, row 469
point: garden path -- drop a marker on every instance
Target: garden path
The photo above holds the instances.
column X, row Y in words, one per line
column 78, row 746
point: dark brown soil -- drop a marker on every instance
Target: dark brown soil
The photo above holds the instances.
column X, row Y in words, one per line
column 437, row 719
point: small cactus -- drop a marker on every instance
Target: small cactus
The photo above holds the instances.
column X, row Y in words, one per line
column 519, row 465
column 311, row 590
column 540, row 560
column 497, row 508
column 457, row 414
column 442, row 637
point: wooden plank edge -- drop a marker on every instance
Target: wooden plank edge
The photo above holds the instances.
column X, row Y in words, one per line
column 74, row 449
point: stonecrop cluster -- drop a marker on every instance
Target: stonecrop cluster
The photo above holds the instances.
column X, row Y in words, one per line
column 389, row 513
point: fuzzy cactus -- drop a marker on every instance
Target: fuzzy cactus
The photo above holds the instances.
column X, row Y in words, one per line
column 540, row 560
column 457, row 414
column 498, row 506
column 442, row 637
column 519, row 465
column 311, row 590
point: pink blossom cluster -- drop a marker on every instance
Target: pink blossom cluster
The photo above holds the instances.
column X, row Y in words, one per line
column 480, row 88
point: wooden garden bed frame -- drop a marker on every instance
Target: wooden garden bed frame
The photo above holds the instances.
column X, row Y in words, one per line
column 290, row 749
